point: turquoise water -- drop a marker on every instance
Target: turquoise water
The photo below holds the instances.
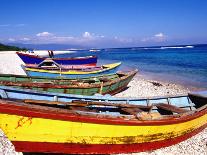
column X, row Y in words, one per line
column 186, row 65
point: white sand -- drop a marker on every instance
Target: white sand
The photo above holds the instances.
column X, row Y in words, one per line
column 138, row 87
column 10, row 63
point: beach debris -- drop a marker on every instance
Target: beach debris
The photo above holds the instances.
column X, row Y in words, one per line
column 156, row 83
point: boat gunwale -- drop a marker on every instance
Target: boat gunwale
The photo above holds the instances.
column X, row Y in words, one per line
column 53, row 78
column 108, row 67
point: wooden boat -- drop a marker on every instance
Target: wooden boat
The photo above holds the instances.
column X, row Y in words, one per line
column 94, row 127
column 34, row 59
column 108, row 84
column 51, row 69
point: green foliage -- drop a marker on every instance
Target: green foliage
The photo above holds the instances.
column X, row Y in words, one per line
column 10, row 48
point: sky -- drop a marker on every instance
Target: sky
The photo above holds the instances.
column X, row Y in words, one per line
column 104, row 23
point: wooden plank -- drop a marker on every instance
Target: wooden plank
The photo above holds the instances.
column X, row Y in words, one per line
column 112, row 104
column 170, row 108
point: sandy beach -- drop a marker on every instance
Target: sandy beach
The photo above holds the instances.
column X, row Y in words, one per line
column 10, row 63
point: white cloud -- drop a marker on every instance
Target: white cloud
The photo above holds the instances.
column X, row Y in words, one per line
column 25, row 39
column 44, row 34
column 159, row 37
column 87, row 35
column 12, row 39
column 87, row 39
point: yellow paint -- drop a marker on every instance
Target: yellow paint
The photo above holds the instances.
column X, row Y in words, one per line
column 47, row 130
column 108, row 67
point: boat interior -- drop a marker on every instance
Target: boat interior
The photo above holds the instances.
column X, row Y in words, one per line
column 103, row 109
column 49, row 64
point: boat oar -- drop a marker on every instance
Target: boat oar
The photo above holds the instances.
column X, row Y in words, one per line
column 119, row 105
column 41, row 102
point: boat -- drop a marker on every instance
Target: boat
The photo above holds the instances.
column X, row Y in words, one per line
column 107, row 84
column 35, row 59
column 99, row 127
column 49, row 68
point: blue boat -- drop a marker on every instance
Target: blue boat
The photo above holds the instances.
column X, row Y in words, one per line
column 55, row 70
column 34, row 59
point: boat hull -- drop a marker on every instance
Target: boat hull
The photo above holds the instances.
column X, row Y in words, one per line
column 113, row 86
column 42, row 130
column 110, row 69
column 33, row 59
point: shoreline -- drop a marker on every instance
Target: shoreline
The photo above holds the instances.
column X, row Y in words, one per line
column 140, row 86
column 165, row 79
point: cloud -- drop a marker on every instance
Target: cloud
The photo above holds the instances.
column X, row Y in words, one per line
column 123, row 40
column 87, row 39
column 12, row 39
column 44, row 34
column 159, row 37
column 25, row 39
column 87, row 35
column 48, row 37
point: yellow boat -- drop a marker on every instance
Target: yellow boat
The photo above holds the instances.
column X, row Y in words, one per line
column 91, row 127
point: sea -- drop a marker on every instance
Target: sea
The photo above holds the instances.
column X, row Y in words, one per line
column 183, row 64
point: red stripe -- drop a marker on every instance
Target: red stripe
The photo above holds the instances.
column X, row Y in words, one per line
column 98, row 148
column 66, row 115
column 94, row 64
column 34, row 56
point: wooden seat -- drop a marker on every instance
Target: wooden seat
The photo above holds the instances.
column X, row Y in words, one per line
column 164, row 108
column 131, row 111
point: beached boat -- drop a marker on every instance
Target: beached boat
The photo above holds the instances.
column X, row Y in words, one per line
column 49, row 68
column 34, row 59
column 108, row 84
column 94, row 127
